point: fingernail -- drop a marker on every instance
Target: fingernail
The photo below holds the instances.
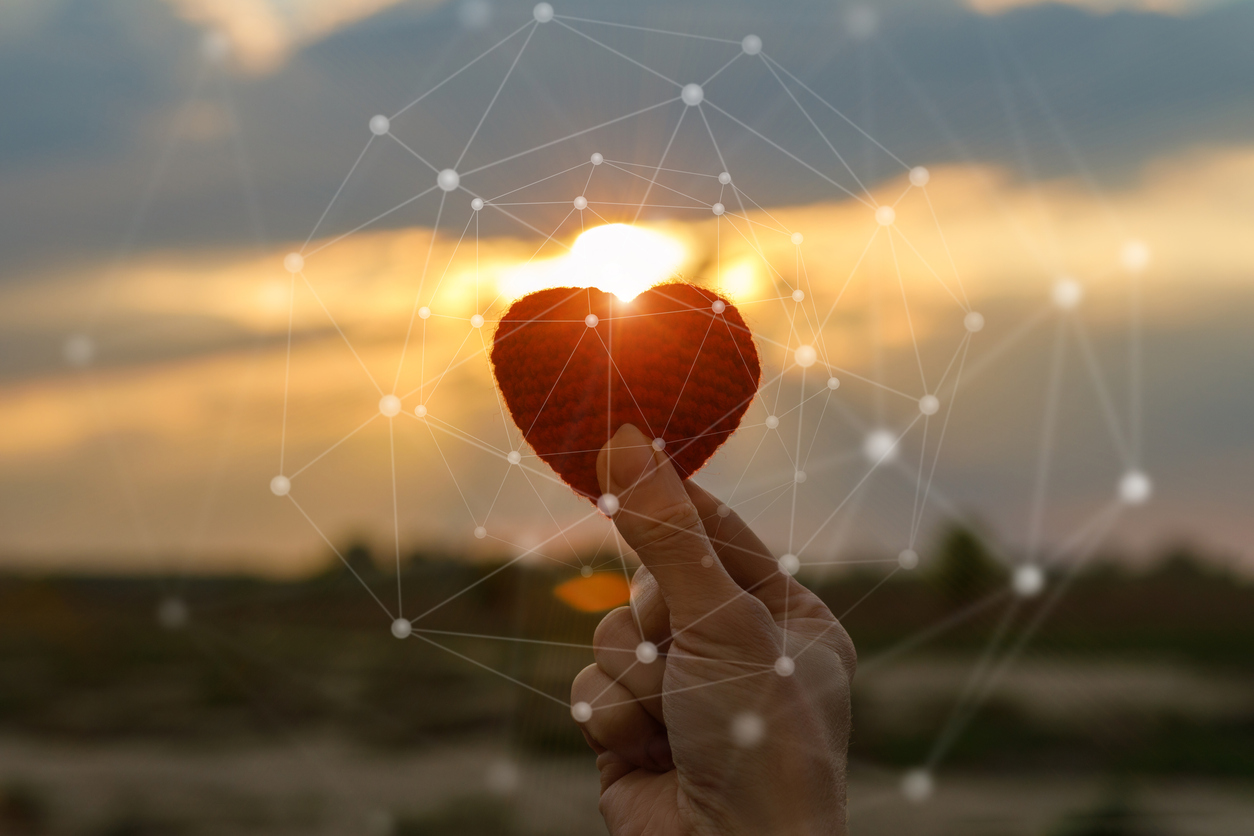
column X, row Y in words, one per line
column 660, row 752
column 625, row 461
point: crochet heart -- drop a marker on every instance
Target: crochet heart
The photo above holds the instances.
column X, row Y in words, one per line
column 575, row 364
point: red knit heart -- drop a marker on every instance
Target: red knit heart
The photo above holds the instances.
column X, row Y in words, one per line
column 677, row 361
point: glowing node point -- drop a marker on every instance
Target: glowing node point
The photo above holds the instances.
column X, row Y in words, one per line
column 724, row 510
column 79, row 350
column 598, row 158
column 172, row 613
column 916, row 786
column 806, row 356
column 502, row 777
column 1135, row 256
column 585, row 571
column 885, row 215
column 513, row 457
column 1028, row 580
column 833, row 383
column 707, row 561
column 1066, row 293
column 390, row 405
column 799, row 476
column 772, row 421
column 880, row 445
column 929, row 404
column 424, row 312
column 908, row 559
column 747, row 730
column 280, row 485
column 718, row 306
column 789, row 564
column 724, row 178
column 798, row 295
column 797, row 238
column 543, row 12
column 293, row 262
column 973, row 321
column 448, row 179
column 581, row 711
column 480, row 532
column 692, row 94
column 379, row 125
column 919, row 176
column 718, row 209
column 476, row 321
column 581, row 202
column 784, row 666
column 591, row 320
column 420, row 410
column 1135, row 487
column 646, row 652
column 608, row 503
column 659, row 444
column 751, row 44
column 476, row 204
column 401, row 628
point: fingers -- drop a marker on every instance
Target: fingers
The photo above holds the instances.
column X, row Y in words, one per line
column 616, row 647
column 659, row 521
column 618, row 723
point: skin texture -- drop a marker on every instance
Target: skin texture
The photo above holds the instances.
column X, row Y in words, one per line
column 709, row 738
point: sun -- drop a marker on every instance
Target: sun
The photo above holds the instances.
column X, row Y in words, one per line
column 622, row 259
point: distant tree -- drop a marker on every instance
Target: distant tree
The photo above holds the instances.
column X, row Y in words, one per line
column 963, row 568
column 360, row 558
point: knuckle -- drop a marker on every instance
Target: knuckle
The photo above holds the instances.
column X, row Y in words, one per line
column 666, row 527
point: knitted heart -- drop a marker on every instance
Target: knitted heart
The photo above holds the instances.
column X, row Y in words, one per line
column 575, row 364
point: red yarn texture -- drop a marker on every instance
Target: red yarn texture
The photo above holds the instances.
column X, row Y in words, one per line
column 665, row 362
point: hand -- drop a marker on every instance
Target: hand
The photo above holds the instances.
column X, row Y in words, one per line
column 741, row 723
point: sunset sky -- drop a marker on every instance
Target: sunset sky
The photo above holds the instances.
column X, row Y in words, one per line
column 160, row 160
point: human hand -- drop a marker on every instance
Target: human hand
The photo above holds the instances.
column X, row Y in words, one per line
column 741, row 722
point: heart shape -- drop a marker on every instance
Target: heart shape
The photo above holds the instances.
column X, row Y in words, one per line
column 575, row 364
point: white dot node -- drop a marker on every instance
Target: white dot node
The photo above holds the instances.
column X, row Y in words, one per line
column 1135, row 487
column 1135, row 256
column 476, row 204
column 785, row 666
column 474, row 14
column 543, row 12
column 172, row 613
column 580, row 202
column 707, row 561
column 502, row 777
column 608, row 503
column 919, row 176
column 1028, row 580
column 799, row 476
column 908, row 559
column 789, row 564
column 513, row 457
column 659, row 444
column 973, row 321
column 379, row 125
column 833, row 383
column 718, row 306
column 862, row 22
column 751, row 44
column 424, row 312
column 448, row 179
column 797, row 238
column 585, row 571
column 79, row 350
column 581, row 711
column 293, row 262
column 916, row 786
column 591, row 320
column 390, row 405
column 929, row 404
column 598, row 158
column 1066, row 293
column 879, row 445
column 747, row 730
column 480, row 532
column 420, row 410
column 724, row 510
column 724, row 178
column 885, row 215
column 401, row 628
column 772, row 422
column 692, row 94
column 646, row 653
column 806, row 356
column 476, row 321
column 798, row 295
column 280, row 486
column 718, row 208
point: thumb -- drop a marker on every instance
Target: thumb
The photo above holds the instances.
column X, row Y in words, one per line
column 659, row 521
